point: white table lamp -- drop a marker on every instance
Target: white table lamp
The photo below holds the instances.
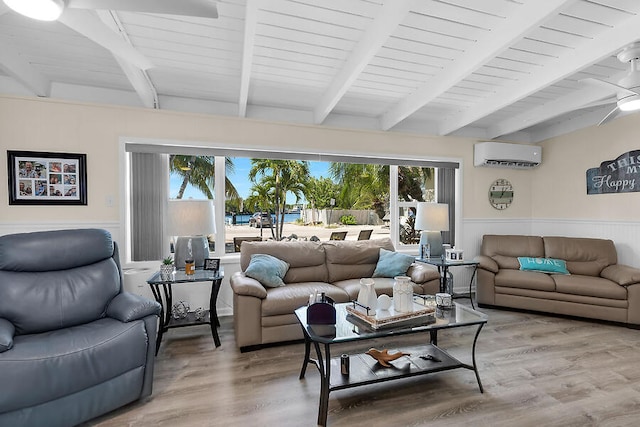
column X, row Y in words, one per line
column 191, row 220
column 432, row 219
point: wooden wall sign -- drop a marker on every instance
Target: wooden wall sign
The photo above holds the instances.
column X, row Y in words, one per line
column 621, row 175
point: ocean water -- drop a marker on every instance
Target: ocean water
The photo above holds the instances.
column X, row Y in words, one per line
column 244, row 219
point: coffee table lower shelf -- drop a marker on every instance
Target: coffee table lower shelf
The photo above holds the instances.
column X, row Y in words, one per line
column 364, row 369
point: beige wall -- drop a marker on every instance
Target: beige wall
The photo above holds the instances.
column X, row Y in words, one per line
column 50, row 125
column 554, row 190
column 559, row 188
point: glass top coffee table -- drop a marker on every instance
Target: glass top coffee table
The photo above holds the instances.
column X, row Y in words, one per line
column 363, row 369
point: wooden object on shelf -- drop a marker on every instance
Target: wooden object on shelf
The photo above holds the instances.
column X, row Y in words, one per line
column 383, row 357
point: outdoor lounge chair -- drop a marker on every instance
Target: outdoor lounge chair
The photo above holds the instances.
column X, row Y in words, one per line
column 364, row 234
column 338, row 235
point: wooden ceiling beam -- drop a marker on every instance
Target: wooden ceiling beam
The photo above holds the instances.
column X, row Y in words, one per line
column 389, row 17
column 138, row 77
column 589, row 53
column 250, row 24
column 527, row 18
column 17, row 67
column 582, row 98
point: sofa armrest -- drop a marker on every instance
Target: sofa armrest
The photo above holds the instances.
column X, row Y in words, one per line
column 487, row 263
column 623, row 275
column 422, row 273
column 243, row 285
column 126, row 307
column 7, row 330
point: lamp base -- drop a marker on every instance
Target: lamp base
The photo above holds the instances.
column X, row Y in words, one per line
column 199, row 249
column 434, row 239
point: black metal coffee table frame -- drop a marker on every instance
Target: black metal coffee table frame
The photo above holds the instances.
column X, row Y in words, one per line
column 425, row 359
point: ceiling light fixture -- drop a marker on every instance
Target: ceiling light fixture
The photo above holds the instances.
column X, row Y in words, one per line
column 631, row 103
column 43, row 10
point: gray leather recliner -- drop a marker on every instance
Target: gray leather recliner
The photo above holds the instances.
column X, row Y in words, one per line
column 73, row 345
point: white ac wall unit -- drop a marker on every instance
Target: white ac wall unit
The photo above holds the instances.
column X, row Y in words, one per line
column 503, row 155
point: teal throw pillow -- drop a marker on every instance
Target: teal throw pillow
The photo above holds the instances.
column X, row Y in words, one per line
column 267, row 270
column 543, row 265
column 391, row 264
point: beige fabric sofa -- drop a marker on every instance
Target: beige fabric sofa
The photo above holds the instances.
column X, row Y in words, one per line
column 598, row 287
column 265, row 315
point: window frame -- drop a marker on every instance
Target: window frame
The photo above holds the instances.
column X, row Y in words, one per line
column 132, row 144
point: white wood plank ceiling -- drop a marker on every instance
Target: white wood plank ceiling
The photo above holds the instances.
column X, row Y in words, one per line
column 490, row 69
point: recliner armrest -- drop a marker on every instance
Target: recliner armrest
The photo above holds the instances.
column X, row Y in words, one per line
column 623, row 275
column 243, row 285
column 487, row 263
column 126, row 307
column 7, row 330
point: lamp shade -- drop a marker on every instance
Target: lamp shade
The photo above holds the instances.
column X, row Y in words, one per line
column 432, row 216
column 191, row 217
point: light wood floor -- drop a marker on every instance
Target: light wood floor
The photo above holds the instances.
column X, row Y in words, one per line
column 537, row 371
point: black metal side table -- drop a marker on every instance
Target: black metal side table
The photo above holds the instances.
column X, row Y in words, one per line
column 443, row 268
column 162, row 289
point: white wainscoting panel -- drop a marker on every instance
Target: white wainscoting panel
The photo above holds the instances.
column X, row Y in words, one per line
column 625, row 234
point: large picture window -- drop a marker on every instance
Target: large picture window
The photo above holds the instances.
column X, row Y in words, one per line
column 280, row 197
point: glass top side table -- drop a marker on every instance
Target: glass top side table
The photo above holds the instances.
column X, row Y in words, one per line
column 162, row 289
column 443, row 268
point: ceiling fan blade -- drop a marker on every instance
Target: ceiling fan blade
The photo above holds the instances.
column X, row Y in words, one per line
column 612, row 115
column 89, row 25
column 609, row 85
column 201, row 8
column 600, row 103
column 3, row 9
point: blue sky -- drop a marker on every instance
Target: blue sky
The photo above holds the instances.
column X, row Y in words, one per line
column 241, row 181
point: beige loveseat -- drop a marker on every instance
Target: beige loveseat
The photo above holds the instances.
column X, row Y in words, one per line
column 597, row 286
column 264, row 315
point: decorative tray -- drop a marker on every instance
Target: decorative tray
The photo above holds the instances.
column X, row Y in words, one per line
column 388, row 318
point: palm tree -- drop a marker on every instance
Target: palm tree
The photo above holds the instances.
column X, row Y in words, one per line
column 367, row 186
column 282, row 177
column 363, row 186
column 411, row 180
column 260, row 199
column 199, row 171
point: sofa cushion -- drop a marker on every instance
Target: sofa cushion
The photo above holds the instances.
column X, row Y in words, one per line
column 64, row 297
column 505, row 249
column 543, row 265
column 392, row 264
column 590, row 286
column 286, row 299
column 353, row 259
column 306, row 259
column 43, row 367
column 525, row 280
column 267, row 269
column 587, row 257
column 32, row 251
